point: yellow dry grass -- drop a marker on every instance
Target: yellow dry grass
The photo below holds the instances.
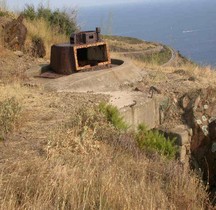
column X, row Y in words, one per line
column 130, row 47
column 205, row 74
column 111, row 180
column 40, row 28
column 48, row 165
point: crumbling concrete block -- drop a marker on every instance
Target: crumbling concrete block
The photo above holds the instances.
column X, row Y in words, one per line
column 184, row 153
column 146, row 112
column 181, row 134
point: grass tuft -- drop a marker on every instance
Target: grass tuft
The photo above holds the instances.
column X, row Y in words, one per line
column 113, row 116
column 9, row 113
column 154, row 141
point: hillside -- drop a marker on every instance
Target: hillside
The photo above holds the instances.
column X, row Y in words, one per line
column 58, row 150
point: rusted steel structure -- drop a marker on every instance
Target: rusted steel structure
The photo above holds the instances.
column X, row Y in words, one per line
column 86, row 37
column 86, row 50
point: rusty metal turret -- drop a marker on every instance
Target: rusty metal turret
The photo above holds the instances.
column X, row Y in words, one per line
column 85, row 51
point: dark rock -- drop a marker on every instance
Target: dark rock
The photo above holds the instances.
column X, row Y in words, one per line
column 200, row 115
column 15, row 34
column 212, row 129
column 38, row 48
column 192, row 78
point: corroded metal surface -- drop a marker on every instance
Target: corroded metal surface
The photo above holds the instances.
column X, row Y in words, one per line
column 85, row 51
column 85, row 37
column 90, row 55
column 62, row 59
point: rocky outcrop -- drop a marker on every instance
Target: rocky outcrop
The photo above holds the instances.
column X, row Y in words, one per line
column 38, row 47
column 15, row 34
column 200, row 115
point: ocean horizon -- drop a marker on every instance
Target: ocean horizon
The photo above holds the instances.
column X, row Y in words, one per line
column 187, row 26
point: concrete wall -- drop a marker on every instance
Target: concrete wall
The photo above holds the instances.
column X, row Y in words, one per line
column 146, row 112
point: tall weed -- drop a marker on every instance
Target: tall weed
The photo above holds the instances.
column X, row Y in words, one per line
column 113, row 116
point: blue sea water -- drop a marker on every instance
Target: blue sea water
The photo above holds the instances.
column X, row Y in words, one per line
column 188, row 26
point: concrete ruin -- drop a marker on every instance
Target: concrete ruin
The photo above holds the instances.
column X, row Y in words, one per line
column 85, row 51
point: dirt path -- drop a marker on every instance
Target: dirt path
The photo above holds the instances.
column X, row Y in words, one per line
column 156, row 49
column 172, row 59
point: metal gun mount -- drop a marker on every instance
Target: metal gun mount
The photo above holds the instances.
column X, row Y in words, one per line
column 85, row 37
column 85, row 51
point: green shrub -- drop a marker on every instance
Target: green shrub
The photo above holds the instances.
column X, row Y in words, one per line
column 64, row 21
column 2, row 13
column 30, row 12
column 156, row 142
column 113, row 116
column 9, row 112
column 44, row 13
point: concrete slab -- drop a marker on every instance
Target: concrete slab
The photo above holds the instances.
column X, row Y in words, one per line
column 105, row 80
column 135, row 106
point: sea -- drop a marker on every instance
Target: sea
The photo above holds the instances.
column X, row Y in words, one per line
column 189, row 26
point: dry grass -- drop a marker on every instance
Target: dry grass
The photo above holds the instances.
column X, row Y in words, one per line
column 71, row 165
column 206, row 74
column 36, row 28
column 106, row 179
column 50, row 36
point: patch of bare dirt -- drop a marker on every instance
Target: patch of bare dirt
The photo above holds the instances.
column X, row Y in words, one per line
column 13, row 65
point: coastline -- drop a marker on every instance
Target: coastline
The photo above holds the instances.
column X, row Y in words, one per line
column 164, row 23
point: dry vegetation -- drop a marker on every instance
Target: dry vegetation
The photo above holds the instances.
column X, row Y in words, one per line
column 60, row 156
column 40, row 28
column 57, row 159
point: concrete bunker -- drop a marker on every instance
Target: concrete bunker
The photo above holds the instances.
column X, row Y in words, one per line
column 85, row 51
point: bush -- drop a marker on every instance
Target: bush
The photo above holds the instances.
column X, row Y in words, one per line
column 38, row 49
column 30, row 12
column 156, row 142
column 113, row 116
column 2, row 13
column 64, row 21
column 9, row 112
